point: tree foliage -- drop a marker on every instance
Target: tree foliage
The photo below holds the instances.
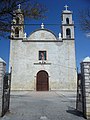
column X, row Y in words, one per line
column 84, row 18
column 30, row 8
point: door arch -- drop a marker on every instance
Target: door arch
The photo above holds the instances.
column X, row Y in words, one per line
column 42, row 81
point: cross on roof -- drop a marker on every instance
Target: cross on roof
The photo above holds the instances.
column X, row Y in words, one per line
column 66, row 6
column 42, row 26
column 19, row 6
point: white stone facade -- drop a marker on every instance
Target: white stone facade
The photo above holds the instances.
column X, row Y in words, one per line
column 85, row 73
column 60, row 64
column 2, row 73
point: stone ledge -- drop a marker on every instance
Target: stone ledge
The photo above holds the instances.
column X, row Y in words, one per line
column 41, row 41
column 42, row 63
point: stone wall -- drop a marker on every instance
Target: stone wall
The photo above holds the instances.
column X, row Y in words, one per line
column 85, row 75
column 60, row 63
column 2, row 73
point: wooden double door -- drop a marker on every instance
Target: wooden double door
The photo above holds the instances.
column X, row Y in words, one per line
column 42, row 82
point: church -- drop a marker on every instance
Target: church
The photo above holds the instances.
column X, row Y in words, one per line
column 43, row 61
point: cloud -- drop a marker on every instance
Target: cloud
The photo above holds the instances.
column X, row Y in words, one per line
column 88, row 35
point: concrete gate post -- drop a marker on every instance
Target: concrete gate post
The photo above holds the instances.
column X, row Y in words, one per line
column 2, row 73
column 85, row 79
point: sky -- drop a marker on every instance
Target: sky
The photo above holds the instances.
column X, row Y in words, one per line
column 55, row 7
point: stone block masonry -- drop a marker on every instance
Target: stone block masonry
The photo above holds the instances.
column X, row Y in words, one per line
column 2, row 73
column 85, row 74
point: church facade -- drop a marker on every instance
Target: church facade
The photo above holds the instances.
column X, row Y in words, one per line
column 42, row 61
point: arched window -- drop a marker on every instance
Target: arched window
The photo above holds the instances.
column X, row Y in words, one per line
column 17, row 20
column 68, row 33
column 17, row 32
column 67, row 20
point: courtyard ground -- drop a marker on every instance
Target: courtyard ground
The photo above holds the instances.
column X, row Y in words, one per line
column 54, row 105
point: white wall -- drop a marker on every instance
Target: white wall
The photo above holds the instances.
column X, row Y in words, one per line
column 2, row 73
column 60, row 55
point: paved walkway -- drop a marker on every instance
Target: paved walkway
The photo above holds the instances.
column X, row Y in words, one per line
column 42, row 106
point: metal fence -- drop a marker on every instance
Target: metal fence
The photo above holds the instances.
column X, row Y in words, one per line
column 6, row 93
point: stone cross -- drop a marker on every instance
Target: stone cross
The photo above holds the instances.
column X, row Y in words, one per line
column 66, row 7
column 42, row 26
column 19, row 6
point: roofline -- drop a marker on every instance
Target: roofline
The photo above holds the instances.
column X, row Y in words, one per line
column 2, row 61
column 45, row 30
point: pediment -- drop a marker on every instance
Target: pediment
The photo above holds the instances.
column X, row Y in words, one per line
column 42, row 34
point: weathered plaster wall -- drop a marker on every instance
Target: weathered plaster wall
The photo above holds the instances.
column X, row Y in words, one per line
column 61, row 65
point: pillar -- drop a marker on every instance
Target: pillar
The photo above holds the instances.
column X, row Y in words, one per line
column 85, row 79
column 2, row 73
